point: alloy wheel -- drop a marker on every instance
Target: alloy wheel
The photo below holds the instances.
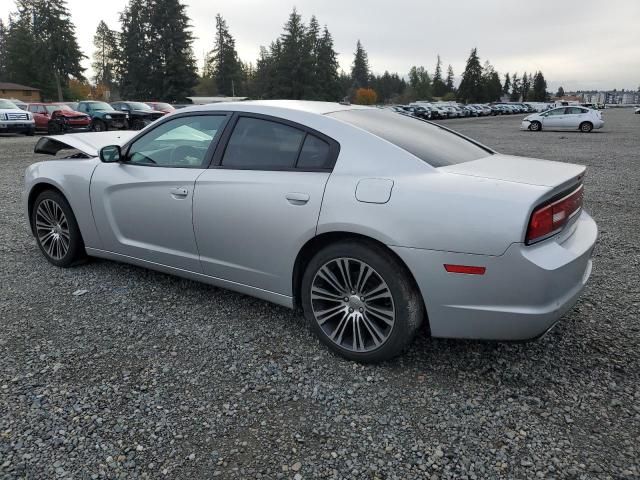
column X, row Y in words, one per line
column 352, row 304
column 52, row 229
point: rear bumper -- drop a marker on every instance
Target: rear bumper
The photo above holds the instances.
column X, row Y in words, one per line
column 523, row 293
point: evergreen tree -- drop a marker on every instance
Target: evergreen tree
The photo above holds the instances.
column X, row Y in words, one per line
column 41, row 47
column 471, row 86
column 420, row 83
column 491, row 83
column 515, row 88
column 292, row 73
column 449, row 81
column 438, row 86
column 525, row 86
column 327, row 78
column 506, row 88
column 560, row 92
column 105, row 56
column 3, row 50
column 360, row 69
column 539, row 87
column 222, row 63
column 156, row 56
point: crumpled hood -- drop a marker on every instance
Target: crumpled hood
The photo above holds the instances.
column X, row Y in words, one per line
column 89, row 143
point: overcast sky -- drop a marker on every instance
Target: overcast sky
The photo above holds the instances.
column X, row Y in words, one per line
column 580, row 44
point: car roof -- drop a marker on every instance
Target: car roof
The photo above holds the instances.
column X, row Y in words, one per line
column 308, row 106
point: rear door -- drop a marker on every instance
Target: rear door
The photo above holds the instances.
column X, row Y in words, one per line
column 39, row 116
column 259, row 203
column 143, row 206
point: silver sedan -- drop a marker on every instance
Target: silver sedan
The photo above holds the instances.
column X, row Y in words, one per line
column 371, row 223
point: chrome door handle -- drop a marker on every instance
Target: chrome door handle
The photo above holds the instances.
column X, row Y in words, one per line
column 179, row 192
column 297, row 198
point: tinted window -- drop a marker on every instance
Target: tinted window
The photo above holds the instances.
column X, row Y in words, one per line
column 314, row 154
column 432, row 144
column 262, row 145
column 181, row 142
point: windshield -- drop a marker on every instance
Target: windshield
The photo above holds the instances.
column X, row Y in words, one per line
column 55, row 108
column 163, row 106
column 99, row 106
column 8, row 104
column 433, row 144
column 138, row 106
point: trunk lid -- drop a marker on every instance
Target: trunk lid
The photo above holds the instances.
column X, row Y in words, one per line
column 88, row 143
column 530, row 171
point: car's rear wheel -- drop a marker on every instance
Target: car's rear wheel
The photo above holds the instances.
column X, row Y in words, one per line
column 361, row 301
column 99, row 126
column 586, row 127
column 56, row 230
column 54, row 128
column 535, row 126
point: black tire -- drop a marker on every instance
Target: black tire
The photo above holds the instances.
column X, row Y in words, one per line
column 54, row 128
column 30, row 133
column 99, row 126
column 75, row 253
column 586, row 127
column 535, row 126
column 407, row 304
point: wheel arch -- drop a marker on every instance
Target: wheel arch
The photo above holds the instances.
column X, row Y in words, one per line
column 322, row 240
column 36, row 190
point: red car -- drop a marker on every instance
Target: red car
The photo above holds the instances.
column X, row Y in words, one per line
column 58, row 118
column 161, row 107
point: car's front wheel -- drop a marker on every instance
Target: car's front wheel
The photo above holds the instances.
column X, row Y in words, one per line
column 586, row 127
column 361, row 301
column 56, row 230
column 535, row 126
column 99, row 126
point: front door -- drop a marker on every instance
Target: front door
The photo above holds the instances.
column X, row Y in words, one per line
column 143, row 205
column 254, row 211
column 554, row 118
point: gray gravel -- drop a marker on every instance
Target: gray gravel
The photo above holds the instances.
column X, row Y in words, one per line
column 150, row 376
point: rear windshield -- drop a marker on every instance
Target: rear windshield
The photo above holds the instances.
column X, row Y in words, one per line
column 434, row 145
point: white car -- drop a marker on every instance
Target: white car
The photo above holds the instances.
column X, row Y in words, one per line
column 14, row 120
column 637, row 112
column 564, row 118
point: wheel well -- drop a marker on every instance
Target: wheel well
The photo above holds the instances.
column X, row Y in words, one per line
column 320, row 241
column 33, row 194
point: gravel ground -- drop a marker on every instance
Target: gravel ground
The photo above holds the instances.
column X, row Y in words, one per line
column 150, row 376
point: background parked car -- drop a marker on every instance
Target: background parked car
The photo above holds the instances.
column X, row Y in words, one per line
column 18, row 103
column 140, row 114
column 161, row 107
column 564, row 118
column 15, row 120
column 57, row 118
column 104, row 116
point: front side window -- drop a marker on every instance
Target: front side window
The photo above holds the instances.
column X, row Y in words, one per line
column 262, row 145
column 180, row 143
column 432, row 144
column 557, row 111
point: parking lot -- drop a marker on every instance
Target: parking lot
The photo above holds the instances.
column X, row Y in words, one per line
column 150, row 376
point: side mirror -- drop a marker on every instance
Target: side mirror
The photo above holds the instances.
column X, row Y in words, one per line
column 110, row 154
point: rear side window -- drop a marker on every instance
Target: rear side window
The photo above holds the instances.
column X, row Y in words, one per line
column 434, row 145
column 315, row 154
column 262, row 145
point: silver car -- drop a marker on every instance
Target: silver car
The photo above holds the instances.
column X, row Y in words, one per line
column 371, row 223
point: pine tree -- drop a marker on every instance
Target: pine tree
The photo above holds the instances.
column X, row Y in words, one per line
column 560, row 92
column 471, row 85
column 438, row 86
column 491, row 83
column 515, row 88
column 292, row 74
column 539, row 87
column 42, row 49
column 222, row 63
column 360, row 69
column 3, row 50
column 105, row 56
column 156, row 56
column 327, row 78
column 420, row 83
column 449, row 81
column 506, row 88
column 525, row 86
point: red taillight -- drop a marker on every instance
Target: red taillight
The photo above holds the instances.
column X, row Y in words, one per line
column 468, row 269
column 549, row 219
